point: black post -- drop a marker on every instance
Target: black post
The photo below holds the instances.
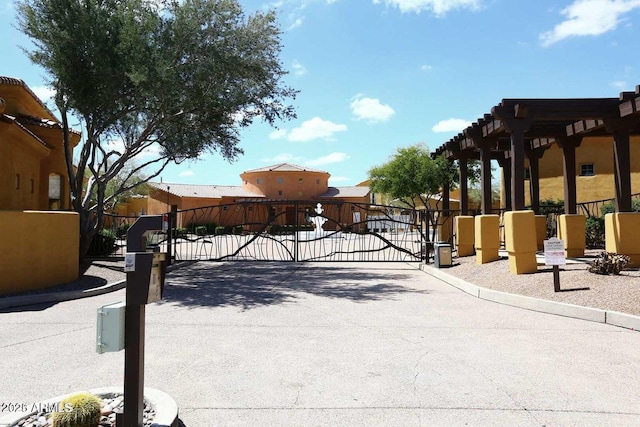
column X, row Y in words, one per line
column 135, row 328
column 556, row 278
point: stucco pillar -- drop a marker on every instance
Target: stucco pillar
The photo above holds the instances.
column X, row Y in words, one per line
column 572, row 229
column 622, row 235
column 487, row 238
column 520, row 241
column 464, row 235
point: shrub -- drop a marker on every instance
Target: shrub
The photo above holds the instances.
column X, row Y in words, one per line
column 122, row 229
column 609, row 263
column 595, row 232
column 103, row 243
column 79, row 410
column 219, row 230
column 180, row 232
column 201, row 230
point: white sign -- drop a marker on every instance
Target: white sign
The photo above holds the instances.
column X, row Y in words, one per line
column 129, row 262
column 554, row 252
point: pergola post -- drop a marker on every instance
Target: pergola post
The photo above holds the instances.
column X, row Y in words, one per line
column 505, row 164
column 517, row 169
column 464, row 189
column 622, row 170
column 534, row 156
column 568, row 145
column 485, row 178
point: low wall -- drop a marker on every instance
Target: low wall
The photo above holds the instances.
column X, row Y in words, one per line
column 39, row 249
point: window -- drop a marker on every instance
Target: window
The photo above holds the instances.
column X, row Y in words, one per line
column 587, row 169
column 279, row 192
column 55, row 191
column 527, row 173
column 300, row 180
column 280, row 180
column 33, row 186
column 300, row 193
column 317, row 181
column 259, row 181
column 17, row 181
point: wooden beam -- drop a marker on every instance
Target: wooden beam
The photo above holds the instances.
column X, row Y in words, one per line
column 622, row 170
column 485, row 178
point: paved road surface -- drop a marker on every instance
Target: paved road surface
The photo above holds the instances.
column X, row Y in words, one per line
column 269, row 344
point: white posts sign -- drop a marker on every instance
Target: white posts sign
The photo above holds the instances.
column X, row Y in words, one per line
column 554, row 252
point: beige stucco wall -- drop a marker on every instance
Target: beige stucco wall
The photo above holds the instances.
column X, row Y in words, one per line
column 28, row 261
column 598, row 151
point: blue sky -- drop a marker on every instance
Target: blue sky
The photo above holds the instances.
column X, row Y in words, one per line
column 375, row 75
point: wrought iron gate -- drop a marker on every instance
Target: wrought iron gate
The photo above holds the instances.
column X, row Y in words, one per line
column 299, row 231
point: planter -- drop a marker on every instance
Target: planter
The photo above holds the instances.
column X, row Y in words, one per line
column 166, row 409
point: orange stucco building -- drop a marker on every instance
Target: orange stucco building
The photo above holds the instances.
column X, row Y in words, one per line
column 33, row 170
column 278, row 186
column 34, row 193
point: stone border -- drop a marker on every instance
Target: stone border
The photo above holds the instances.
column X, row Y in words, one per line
column 609, row 317
column 166, row 408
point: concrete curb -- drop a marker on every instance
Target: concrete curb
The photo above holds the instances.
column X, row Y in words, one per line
column 44, row 298
column 22, row 300
column 165, row 406
column 613, row 318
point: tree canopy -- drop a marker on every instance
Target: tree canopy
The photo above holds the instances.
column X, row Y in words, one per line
column 154, row 82
column 411, row 177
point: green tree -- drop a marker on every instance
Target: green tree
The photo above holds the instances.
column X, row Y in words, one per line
column 171, row 78
column 411, row 177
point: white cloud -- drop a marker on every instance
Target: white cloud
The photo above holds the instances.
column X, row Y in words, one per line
column 284, row 158
column 295, row 24
column 45, row 93
column 187, row 173
column 315, row 128
column 298, row 68
column 328, row 159
column 426, row 67
column 278, row 134
column 619, row 84
column 370, row 109
column 588, row 18
column 438, row 7
column 451, row 125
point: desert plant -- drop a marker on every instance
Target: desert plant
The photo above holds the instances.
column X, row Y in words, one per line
column 609, row 263
column 103, row 244
column 79, row 410
column 122, row 229
column 595, row 232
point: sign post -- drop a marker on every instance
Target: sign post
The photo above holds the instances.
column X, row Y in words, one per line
column 554, row 255
column 145, row 284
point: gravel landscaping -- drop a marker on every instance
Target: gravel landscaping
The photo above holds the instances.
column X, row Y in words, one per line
column 579, row 286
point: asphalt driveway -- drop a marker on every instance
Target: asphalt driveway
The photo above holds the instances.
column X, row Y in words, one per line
column 344, row 344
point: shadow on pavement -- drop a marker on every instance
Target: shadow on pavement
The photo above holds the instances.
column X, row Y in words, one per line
column 250, row 285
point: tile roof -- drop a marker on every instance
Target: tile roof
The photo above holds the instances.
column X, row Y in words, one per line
column 204, row 191
column 359, row 191
column 10, row 81
column 285, row 167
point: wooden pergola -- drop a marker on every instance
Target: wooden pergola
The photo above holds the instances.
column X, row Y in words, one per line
column 524, row 128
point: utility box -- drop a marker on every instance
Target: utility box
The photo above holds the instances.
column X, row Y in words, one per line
column 145, row 276
column 110, row 328
column 442, row 255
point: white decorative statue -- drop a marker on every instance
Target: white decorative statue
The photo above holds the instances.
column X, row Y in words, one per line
column 318, row 221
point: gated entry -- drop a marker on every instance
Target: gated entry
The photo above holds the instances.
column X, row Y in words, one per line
column 298, row 231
